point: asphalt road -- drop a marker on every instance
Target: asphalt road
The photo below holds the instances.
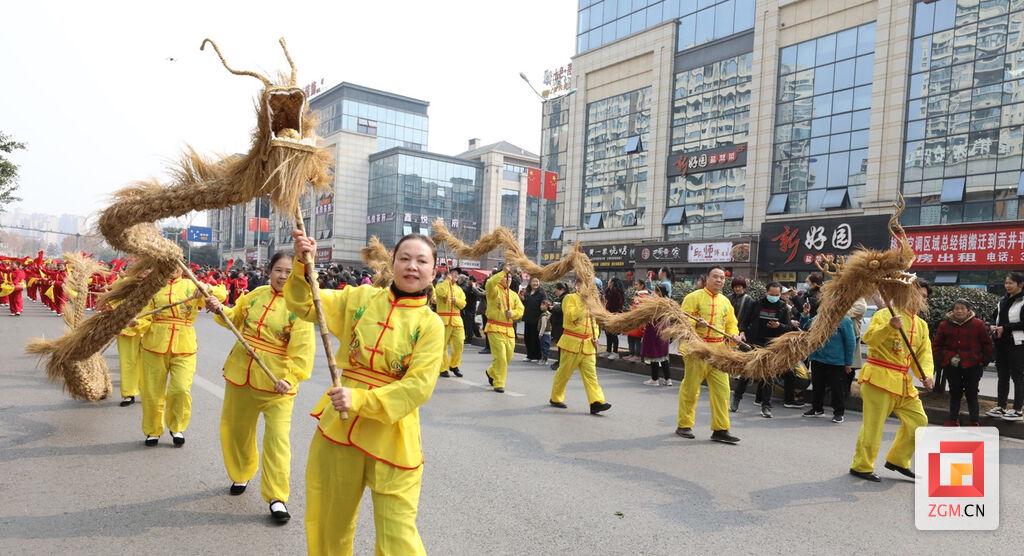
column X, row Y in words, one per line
column 505, row 474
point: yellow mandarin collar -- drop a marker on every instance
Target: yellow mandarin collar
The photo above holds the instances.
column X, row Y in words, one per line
column 406, row 302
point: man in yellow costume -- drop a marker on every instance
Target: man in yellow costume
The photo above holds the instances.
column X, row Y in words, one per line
column 710, row 309
column 285, row 344
column 389, row 354
column 169, row 360
column 504, row 308
column 578, row 350
column 129, row 354
column 450, row 302
column 886, row 386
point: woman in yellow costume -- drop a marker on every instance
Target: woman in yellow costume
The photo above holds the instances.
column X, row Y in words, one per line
column 577, row 349
column 504, row 308
column 286, row 345
column 886, row 386
column 169, row 359
column 369, row 430
column 450, row 302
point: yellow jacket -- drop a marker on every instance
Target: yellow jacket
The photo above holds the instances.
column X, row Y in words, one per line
column 579, row 330
column 500, row 299
column 283, row 342
column 390, row 352
column 450, row 301
column 888, row 365
column 172, row 331
column 716, row 309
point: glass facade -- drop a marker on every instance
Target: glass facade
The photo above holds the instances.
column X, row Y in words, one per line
column 965, row 112
column 821, row 122
column 711, row 109
column 600, row 22
column 407, row 192
column 510, row 209
column 393, row 128
column 614, row 178
column 553, row 158
column 238, row 225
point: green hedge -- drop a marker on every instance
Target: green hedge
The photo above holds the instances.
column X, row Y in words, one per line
column 941, row 302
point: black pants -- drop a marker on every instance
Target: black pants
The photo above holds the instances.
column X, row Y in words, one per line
column 831, row 377
column 470, row 326
column 1010, row 364
column 613, row 342
column 532, row 339
column 763, row 390
column 789, row 387
column 654, row 370
column 963, row 382
column 635, row 343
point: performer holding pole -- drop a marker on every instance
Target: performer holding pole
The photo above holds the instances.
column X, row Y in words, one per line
column 897, row 342
column 450, row 302
column 390, row 348
column 504, row 308
column 578, row 350
column 287, row 345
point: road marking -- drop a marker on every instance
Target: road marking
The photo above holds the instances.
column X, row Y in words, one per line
column 485, row 386
column 215, row 389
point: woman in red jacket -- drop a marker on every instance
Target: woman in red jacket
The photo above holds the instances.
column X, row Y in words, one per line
column 963, row 347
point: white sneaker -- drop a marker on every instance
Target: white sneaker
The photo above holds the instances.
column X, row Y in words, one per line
column 662, row 382
column 652, row 382
column 1013, row 415
column 613, row 356
column 996, row 412
column 668, row 382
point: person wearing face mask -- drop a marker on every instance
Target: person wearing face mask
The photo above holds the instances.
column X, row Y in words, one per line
column 770, row 318
column 286, row 345
column 368, row 436
column 1009, row 340
column 450, row 302
column 710, row 308
column 504, row 308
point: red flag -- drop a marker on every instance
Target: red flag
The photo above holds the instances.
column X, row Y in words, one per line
column 550, row 185
column 259, row 224
column 230, row 263
column 533, row 182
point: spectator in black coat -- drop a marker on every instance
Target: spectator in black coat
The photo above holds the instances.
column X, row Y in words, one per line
column 557, row 317
column 469, row 311
column 532, row 298
column 770, row 318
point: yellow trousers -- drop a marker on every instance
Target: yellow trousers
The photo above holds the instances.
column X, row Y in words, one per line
column 454, row 340
column 159, row 393
column 697, row 371
column 242, row 408
column 569, row 362
column 336, row 476
column 502, row 348
column 878, row 405
column 129, row 354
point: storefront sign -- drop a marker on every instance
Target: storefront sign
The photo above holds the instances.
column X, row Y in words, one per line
column 951, row 247
column 614, row 255
column 711, row 159
column 380, row 217
column 785, row 276
column 324, row 254
column 557, row 81
column 720, row 252
column 796, row 244
column 661, row 253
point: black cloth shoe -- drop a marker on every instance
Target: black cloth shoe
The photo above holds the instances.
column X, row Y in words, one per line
column 279, row 512
column 554, row 365
column 685, row 432
column 866, row 475
column 456, row 371
column 152, row 440
column 127, row 400
column 499, row 390
column 489, row 379
column 485, row 350
column 237, row 488
column 901, row 470
column 445, row 374
column 724, row 437
column 598, row 407
column 178, row 438
column 557, row 404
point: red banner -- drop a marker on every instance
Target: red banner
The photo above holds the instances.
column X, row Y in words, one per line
column 533, row 182
column 953, row 248
column 264, row 224
column 550, row 185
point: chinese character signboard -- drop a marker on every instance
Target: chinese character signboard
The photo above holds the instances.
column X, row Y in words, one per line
column 557, row 81
column 200, row 234
column 614, row 255
column 712, row 159
column 658, row 254
column 950, row 247
column 324, row 254
column 720, row 252
column 796, row 244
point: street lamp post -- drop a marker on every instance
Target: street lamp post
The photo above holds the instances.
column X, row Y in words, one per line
column 542, row 202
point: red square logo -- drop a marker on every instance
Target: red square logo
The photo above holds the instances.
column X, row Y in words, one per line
column 957, row 479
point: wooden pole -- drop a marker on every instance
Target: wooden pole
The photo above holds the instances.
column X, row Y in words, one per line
column 231, row 326
column 321, row 322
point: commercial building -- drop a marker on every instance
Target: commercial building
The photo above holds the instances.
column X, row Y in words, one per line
column 759, row 136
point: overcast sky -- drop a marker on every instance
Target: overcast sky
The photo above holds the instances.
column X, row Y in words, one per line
column 92, row 90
